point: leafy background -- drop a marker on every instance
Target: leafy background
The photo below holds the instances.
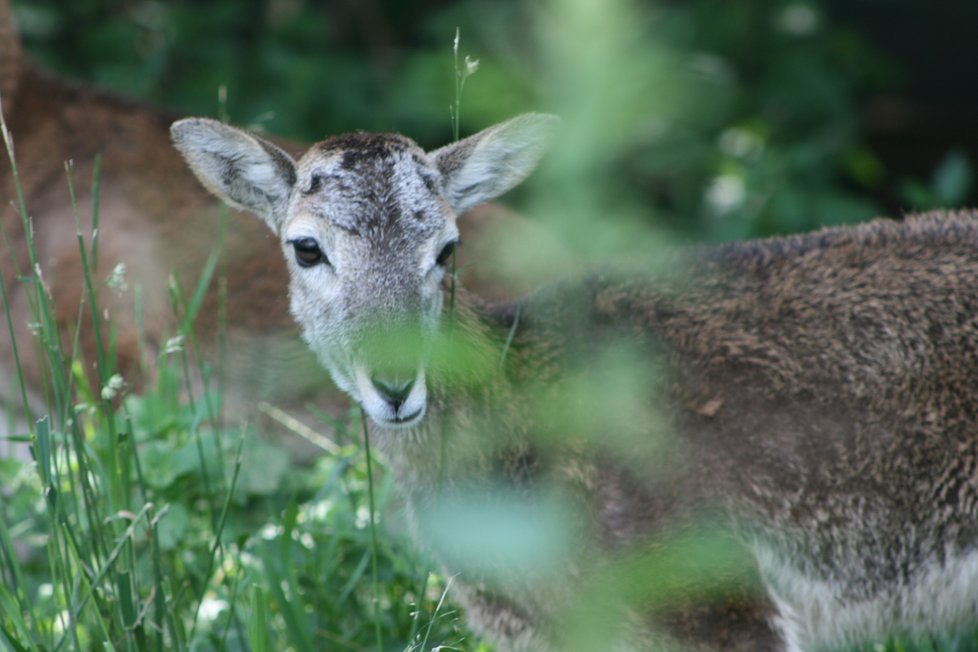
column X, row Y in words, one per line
column 740, row 119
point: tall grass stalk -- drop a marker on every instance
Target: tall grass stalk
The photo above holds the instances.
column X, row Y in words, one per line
column 39, row 434
column 374, row 568
column 96, row 204
column 463, row 70
column 93, row 520
column 461, row 74
column 25, row 403
column 32, row 254
column 105, row 393
column 219, row 529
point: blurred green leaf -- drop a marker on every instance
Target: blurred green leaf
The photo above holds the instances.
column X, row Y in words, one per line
column 263, row 468
column 163, row 462
column 953, row 178
column 172, row 528
column 502, row 534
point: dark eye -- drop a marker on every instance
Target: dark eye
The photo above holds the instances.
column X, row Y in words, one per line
column 315, row 184
column 446, row 253
column 307, row 252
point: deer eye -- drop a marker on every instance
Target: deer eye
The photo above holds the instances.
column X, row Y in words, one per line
column 446, row 253
column 307, row 252
column 315, row 184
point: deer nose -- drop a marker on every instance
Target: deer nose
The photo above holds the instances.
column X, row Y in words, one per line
column 393, row 390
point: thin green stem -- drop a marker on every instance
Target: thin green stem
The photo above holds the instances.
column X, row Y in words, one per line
column 161, row 613
column 461, row 74
column 16, row 353
column 373, row 532
column 19, row 190
column 219, row 530
column 190, row 312
column 22, row 208
column 96, row 184
column 179, row 306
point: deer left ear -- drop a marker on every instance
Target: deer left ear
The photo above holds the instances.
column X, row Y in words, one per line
column 487, row 164
column 244, row 170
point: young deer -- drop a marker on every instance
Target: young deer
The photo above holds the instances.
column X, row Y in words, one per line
column 818, row 391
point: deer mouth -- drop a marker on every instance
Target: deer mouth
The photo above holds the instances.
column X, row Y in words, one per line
column 410, row 419
column 395, row 402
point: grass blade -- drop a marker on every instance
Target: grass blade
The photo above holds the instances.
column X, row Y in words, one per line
column 373, row 533
column 257, row 625
column 220, row 528
column 12, row 609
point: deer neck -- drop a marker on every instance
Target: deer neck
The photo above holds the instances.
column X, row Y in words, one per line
column 468, row 386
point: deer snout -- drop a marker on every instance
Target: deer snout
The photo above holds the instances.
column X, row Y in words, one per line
column 392, row 401
column 388, row 359
column 393, row 390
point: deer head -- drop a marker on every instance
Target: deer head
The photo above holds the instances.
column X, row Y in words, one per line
column 367, row 224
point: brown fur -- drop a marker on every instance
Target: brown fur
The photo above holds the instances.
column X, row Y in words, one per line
column 152, row 217
column 820, row 389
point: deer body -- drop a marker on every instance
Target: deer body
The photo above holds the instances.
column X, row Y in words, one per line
column 817, row 391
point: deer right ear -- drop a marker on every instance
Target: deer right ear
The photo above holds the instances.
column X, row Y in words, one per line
column 245, row 171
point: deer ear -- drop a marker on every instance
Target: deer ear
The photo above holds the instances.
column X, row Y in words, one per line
column 247, row 172
column 484, row 166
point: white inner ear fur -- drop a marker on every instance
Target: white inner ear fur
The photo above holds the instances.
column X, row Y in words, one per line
column 486, row 165
column 245, row 171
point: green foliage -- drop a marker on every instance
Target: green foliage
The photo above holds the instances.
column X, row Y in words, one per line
column 285, row 565
column 949, row 185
